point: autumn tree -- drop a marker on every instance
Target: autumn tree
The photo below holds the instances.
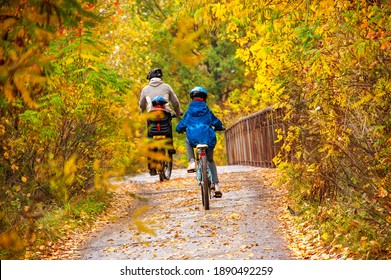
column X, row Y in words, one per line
column 170, row 35
column 64, row 123
column 326, row 63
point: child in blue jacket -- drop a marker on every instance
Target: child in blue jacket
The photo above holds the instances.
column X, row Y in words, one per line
column 200, row 124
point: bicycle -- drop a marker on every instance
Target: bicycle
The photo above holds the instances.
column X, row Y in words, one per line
column 204, row 175
column 161, row 158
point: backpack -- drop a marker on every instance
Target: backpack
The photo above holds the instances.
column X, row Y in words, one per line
column 159, row 123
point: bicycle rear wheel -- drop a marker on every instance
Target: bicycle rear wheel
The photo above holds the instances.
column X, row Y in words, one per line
column 205, row 183
column 161, row 171
column 167, row 168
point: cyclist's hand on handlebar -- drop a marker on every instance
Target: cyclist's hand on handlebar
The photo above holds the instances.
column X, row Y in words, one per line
column 174, row 115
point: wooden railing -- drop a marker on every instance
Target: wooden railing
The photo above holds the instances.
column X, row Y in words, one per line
column 252, row 139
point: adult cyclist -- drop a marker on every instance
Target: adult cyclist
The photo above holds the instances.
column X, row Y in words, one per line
column 156, row 88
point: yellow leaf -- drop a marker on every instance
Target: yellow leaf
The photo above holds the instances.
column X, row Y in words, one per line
column 24, row 179
column 69, row 61
column 11, row 240
column 382, row 192
column 143, row 228
column 96, row 165
column 235, row 216
column 70, row 166
column 9, row 92
column 364, row 242
column 2, row 130
column 141, row 225
column 8, row 23
column 25, row 93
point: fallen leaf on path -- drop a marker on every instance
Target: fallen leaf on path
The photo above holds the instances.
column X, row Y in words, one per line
column 141, row 225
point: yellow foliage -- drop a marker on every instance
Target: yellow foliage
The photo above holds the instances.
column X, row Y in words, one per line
column 141, row 225
column 11, row 241
column 70, row 166
column 9, row 92
column 185, row 43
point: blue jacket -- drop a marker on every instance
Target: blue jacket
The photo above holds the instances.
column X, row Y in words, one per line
column 198, row 123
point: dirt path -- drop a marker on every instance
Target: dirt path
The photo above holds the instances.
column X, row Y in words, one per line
column 243, row 224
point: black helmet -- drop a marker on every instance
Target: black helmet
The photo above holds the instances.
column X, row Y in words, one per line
column 199, row 92
column 155, row 73
column 158, row 100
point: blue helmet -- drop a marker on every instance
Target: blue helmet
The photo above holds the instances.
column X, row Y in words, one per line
column 159, row 100
column 199, row 92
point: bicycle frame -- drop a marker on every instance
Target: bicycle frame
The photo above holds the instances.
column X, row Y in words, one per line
column 204, row 176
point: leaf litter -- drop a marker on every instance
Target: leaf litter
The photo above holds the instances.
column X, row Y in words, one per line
column 166, row 220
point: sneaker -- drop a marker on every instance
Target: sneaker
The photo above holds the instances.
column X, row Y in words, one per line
column 152, row 172
column 191, row 167
column 218, row 193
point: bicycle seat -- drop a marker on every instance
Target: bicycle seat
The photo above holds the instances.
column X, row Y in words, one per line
column 202, row 146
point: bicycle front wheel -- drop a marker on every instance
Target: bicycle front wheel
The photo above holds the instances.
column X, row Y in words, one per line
column 205, row 183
